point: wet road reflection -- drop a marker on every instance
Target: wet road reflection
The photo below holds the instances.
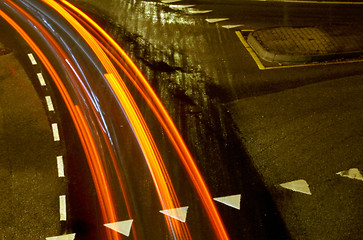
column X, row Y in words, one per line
column 100, row 105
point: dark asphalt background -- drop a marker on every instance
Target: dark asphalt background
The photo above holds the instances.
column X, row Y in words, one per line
column 259, row 128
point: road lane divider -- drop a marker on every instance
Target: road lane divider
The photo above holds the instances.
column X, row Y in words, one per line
column 62, row 208
column 60, row 166
column 55, row 132
column 32, row 59
column 41, row 79
column 48, row 99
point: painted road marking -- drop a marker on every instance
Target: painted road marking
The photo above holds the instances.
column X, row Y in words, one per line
column 48, row 99
column 232, row 26
column 352, row 173
column 60, row 166
column 177, row 213
column 62, row 208
column 215, row 20
column 199, row 11
column 71, row 236
column 181, row 6
column 232, row 200
column 170, row 1
column 250, row 50
column 122, row 227
column 298, row 186
column 55, row 132
column 41, row 79
column 32, row 59
column 262, row 67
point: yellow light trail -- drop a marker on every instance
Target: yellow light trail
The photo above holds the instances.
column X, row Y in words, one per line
column 81, row 125
column 158, row 171
column 160, row 112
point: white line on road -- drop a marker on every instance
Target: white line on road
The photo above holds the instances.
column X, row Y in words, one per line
column 32, row 59
column 60, row 166
column 170, row 1
column 55, row 132
column 215, row 20
column 41, row 79
column 49, row 103
column 232, row 26
column 62, row 208
column 63, row 237
column 181, row 6
column 199, row 11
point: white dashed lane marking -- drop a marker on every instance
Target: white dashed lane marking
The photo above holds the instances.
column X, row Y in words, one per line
column 41, row 79
column 32, row 59
column 60, row 166
column 62, row 208
column 352, row 173
column 177, row 213
column 298, row 186
column 122, row 227
column 55, row 132
column 215, row 20
column 232, row 200
column 71, row 236
column 49, row 103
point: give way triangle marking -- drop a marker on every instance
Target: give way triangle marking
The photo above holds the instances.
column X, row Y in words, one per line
column 352, row 173
column 122, row 227
column 177, row 213
column 63, row 237
column 232, row 200
column 298, row 186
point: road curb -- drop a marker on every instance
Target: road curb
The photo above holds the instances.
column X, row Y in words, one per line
column 270, row 56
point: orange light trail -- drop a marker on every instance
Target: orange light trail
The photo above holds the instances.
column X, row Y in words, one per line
column 82, row 128
column 165, row 120
column 158, row 171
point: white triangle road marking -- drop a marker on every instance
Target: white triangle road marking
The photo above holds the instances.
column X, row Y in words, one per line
column 177, row 213
column 62, row 237
column 232, row 26
column 352, row 173
column 298, row 186
column 170, row 1
column 123, row 227
column 215, row 20
column 181, row 6
column 199, row 11
column 232, row 200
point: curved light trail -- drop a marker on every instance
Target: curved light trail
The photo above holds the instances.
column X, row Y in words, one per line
column 160, row 112
column 167, row 196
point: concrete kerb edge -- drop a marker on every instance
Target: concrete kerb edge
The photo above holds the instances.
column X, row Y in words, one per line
column 291, row 59
column 273, row 57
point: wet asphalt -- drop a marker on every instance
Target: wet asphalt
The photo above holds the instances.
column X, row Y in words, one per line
column 216, row 96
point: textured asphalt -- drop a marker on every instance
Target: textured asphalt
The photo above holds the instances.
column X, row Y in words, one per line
column 29, row 183
column 309, row 132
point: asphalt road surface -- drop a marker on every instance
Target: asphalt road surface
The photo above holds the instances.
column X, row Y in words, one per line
column 218, row 99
